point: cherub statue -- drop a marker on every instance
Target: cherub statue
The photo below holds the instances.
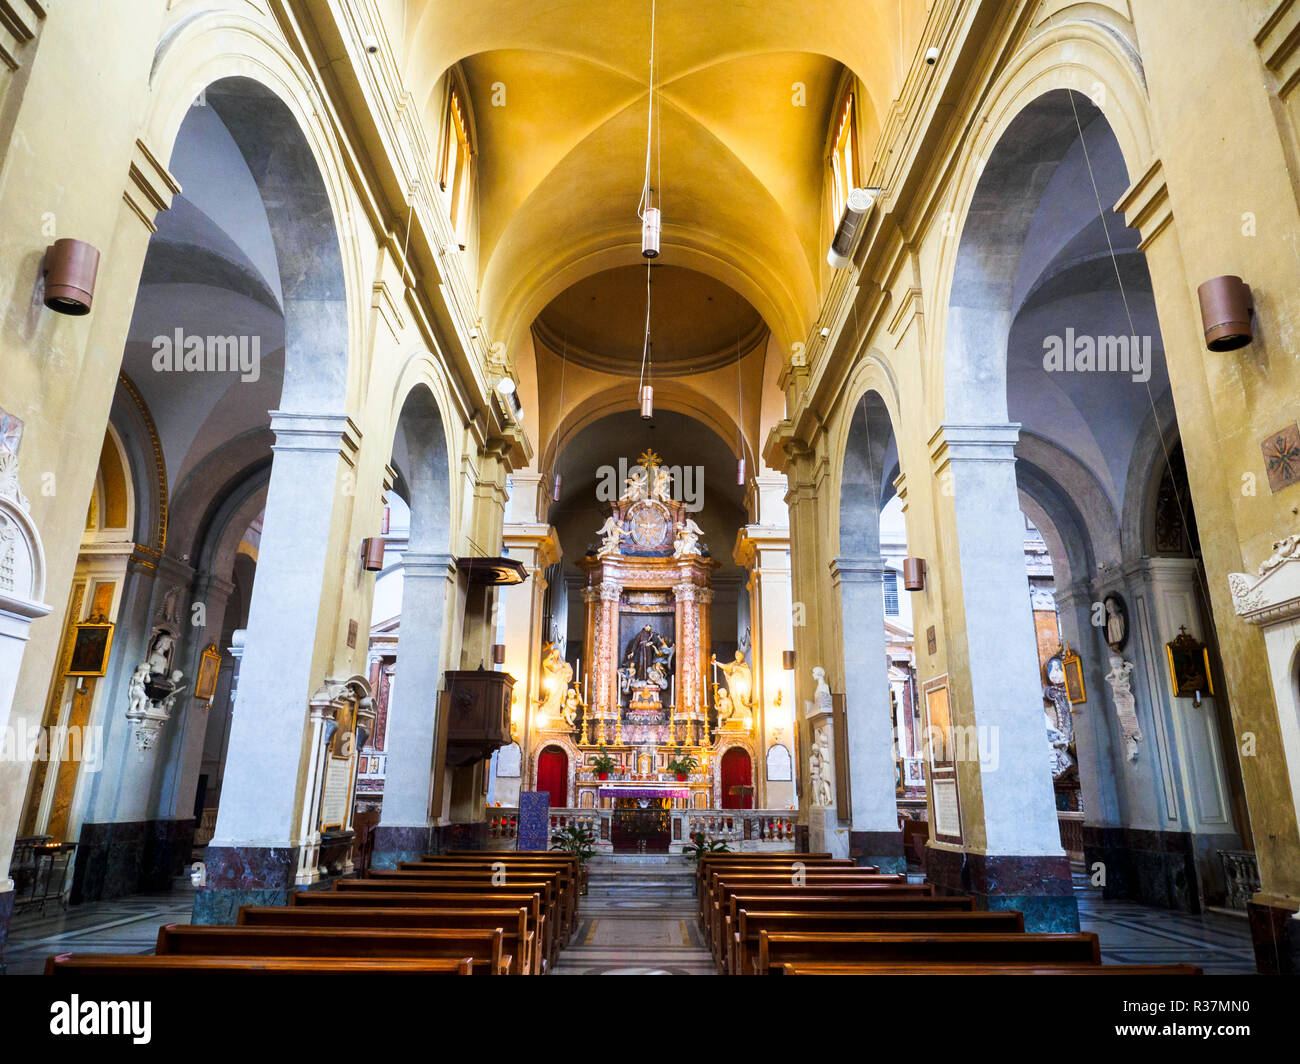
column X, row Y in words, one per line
column 138, row 698
column 573, row 705
column 687, row 540
column 638, row 486
column 662, row 485
column 610, row 532
column 723, row 704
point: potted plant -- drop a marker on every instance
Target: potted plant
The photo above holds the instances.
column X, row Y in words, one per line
column 603, row 764
column 579, row 841
column 700, row 845
column 683, row 765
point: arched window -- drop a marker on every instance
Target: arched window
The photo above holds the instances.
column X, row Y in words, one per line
column 455, row 175
column 845, row 167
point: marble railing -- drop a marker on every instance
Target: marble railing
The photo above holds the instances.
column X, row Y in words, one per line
column 740, row 829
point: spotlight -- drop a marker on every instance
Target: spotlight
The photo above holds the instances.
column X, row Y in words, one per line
column 372, row 554
column 931, row 56
column 914, row 574
column 498, row 653
column 70, row 269
column 506, row 386
column 555, row 491
column 370, row 43
column 1226, row 309
column 787, row 660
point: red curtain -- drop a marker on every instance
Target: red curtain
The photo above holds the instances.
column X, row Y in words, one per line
column 553, row 775
column 737, row 772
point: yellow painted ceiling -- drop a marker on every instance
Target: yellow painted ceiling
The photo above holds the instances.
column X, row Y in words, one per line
column 745, row 93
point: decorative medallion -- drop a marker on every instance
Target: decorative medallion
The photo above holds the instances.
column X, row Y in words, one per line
column 649, row 525
column 1282, row 457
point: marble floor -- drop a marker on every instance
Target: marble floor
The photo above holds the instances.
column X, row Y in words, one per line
column 126, row 925
column 642, row 922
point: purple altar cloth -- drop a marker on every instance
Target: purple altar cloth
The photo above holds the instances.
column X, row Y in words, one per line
column 648, row 791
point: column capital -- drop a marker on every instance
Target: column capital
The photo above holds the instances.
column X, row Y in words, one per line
column 754, row 542
column 428, row 565
column 335, row 433
column 869, row 570
column 541, row 539
column 973, row 443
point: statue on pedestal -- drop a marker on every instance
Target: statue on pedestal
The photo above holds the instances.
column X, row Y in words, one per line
column 556, row 676
column 611, row 533
column 573, row 705
column 687, row 540
column 740, row 679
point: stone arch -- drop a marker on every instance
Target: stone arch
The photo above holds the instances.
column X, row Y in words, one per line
column 238, row 63
column 1092, row 61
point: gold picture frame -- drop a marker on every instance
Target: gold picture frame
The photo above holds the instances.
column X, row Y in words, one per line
column 1189, row 666
column 90, row 648
column 1075, row 688
column 205, row 686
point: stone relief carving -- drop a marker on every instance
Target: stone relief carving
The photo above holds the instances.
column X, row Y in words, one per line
column 821, row 770
column 1125, row 704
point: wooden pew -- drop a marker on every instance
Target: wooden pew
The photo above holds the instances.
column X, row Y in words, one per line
column 762, row 860
column 565, row 869
column 145, row 964
column 794, row 899
column 548, row 889
column 484, row 946
column 557, row 900
column 517, row 941
column 719, row 886
column 988, row 969
column 959, row 947
column 538, row 921
column 742, row 943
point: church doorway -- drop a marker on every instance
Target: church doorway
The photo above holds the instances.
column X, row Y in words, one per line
column 737, row 780
column 553, row 776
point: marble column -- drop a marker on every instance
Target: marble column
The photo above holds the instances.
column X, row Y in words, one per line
column 254, row 855
column 407, row 818
column 875, row 837
column 1010, row 855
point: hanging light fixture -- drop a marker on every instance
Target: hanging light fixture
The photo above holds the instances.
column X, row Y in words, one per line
column 651, row 228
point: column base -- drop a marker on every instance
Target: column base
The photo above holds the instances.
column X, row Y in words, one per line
column 395, row 844
column 884, row 849
column 6, row 911
column 825, row 834
column 1275, row 931
column 115, row 860
column 1040, row 887
column 1153, row 867
column 244, row 875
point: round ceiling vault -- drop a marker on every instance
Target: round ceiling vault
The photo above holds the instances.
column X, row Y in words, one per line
column 697, row 323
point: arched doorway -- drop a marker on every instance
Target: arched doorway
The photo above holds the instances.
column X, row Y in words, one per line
column 737, row 774
column 553, row 775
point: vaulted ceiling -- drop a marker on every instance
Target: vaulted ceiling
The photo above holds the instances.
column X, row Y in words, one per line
column 745, row 91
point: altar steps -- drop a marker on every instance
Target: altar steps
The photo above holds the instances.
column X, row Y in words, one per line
column 627, row 879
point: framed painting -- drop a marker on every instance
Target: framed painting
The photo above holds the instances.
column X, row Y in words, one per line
column 1072, row 668
column 90, row 648
column 1189, row 666
column 205, row 687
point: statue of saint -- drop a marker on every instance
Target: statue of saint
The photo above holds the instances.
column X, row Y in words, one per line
column 642, row 651
column 822, row 691
column 556, row 673
column 627, row 674
column 138, row 698
column 740, row 680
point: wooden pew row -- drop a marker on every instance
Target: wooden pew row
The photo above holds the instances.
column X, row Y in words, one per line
column 988, row 969
column 556, row 896
column 801, row 900
column 716, row 930
column 456, row 897
column 743, row 942
column 517, row 941
column 759, row 860
column 546, row 889
column 776, row 949
column 792, row 877
column 714, row 898
column 566, row 870
column 484, row 946
column 138, row 964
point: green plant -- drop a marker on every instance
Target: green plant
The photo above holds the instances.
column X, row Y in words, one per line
column 602, row 762
column 577, row 840
column 684, row 765
column 700, row 845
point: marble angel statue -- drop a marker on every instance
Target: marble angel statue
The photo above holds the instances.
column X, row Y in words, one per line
column 687, row 540
column 610, row 532
column 556, row 676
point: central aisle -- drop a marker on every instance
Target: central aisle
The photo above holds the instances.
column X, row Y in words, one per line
column 638, row 918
